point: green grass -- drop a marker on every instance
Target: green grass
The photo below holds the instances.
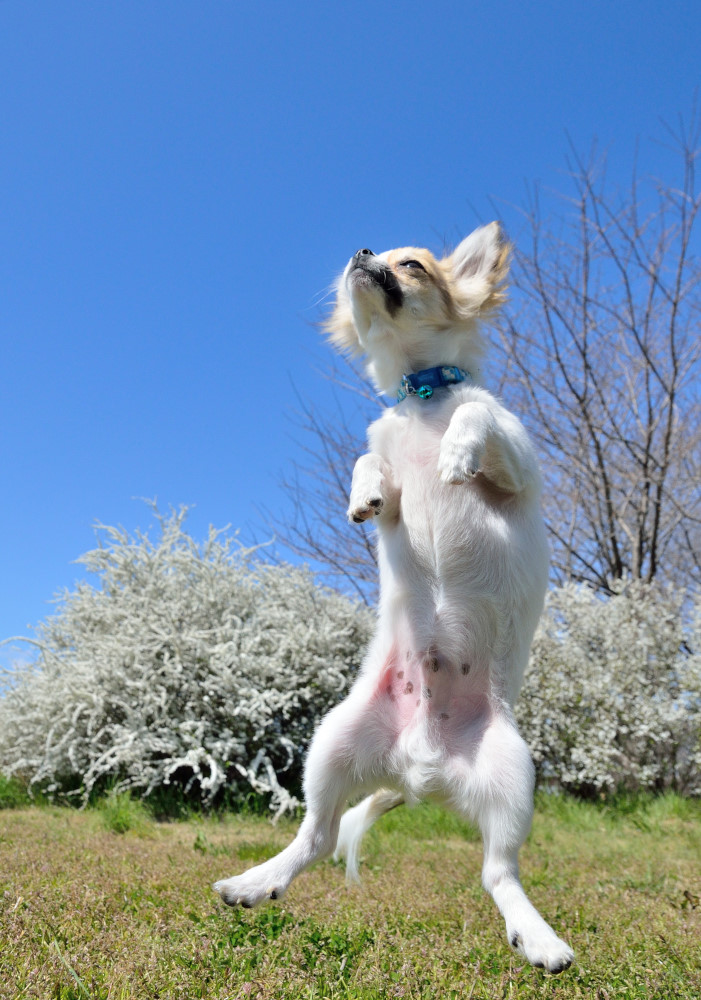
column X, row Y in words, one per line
column 13, row 793
column 120, row 813
column 108, row 904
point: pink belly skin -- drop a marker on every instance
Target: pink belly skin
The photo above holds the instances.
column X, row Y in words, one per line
column 424, row 689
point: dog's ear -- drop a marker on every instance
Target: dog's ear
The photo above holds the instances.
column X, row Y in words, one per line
column 340, row 326
column 478, row 268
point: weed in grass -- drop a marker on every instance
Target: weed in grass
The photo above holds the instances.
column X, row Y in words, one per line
column 82, row 990
column 204, row 845
column 334, row 945
column 249, row 850
column 121, row 813
column 201, row 843
column 13, row 793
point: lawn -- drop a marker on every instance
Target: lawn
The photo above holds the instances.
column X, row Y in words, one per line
column 107, row 903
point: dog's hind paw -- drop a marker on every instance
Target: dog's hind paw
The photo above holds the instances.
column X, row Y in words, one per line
column 544, row 950
column 250, row 889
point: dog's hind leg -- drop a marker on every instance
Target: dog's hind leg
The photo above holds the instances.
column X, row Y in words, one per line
column 500, row 790
column 357, row 821
column 345, row 756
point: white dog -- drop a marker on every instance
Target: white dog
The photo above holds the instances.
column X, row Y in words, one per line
column 452, row 482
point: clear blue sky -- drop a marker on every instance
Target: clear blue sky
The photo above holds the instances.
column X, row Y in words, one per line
column 179, row 184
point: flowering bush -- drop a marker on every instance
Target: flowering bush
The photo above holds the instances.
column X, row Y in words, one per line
column 612, row 697
column 196, row 665
column 202, row 667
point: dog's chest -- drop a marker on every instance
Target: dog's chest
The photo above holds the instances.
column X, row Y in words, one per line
column 410, row 441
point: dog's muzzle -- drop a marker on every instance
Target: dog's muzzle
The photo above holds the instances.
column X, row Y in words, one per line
column 384, row 277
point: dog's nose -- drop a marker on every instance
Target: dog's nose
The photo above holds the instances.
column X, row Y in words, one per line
column 364, row 253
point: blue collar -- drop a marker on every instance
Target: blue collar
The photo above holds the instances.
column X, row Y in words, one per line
column 424, row 382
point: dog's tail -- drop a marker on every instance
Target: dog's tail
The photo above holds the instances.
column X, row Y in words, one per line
column 356, row 822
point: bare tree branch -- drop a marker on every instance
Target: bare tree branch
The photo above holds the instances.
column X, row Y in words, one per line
column 603, row 350
column 601, row 354
column 318, row 531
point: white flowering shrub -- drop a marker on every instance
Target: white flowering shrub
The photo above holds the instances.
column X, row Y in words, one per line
column 203, row 668
column 194, row 665
column 612, row 697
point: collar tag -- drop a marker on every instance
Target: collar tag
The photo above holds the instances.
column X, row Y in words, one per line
column 424, row 382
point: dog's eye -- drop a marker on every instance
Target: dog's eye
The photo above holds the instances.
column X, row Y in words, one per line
column 412, row 263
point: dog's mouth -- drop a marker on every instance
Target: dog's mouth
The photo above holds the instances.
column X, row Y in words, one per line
column 368, row 271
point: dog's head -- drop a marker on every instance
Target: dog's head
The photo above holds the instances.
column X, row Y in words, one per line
column 407, row 311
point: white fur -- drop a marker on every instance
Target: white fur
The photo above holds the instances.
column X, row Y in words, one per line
column 454, row 487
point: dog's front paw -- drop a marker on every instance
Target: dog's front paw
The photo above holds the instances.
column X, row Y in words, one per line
column 362, row 510
column 251, row 888
column 458, row 463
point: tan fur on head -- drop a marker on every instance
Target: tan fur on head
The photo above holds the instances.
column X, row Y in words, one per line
column 441, row 304
column 479, row 268
column 339, row 325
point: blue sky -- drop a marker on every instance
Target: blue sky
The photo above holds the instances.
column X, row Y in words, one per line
column 180, row 183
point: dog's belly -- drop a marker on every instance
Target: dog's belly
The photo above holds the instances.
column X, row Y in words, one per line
column 463, row 570
column 435, row 710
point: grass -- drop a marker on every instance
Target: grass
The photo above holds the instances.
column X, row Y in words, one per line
column 121, row 813
column 108, row 904
column 12, row 793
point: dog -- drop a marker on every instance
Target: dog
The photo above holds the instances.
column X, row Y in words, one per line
column 451, row 481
